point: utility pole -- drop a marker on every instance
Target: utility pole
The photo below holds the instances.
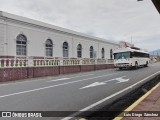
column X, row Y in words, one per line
column 131, row 39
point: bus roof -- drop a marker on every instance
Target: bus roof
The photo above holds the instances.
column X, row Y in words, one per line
column 129, row 49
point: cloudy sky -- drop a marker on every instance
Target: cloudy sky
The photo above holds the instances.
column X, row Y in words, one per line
column 109, row 19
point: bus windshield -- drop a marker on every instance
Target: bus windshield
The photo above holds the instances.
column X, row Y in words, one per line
column 122, row 55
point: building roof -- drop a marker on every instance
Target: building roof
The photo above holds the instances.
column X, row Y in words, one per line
column 6, row 15
column 157, row 4
column 129, row 49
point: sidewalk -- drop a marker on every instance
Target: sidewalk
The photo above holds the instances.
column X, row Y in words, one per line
column 149, row 103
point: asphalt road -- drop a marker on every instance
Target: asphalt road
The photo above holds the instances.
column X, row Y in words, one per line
column 76, row 92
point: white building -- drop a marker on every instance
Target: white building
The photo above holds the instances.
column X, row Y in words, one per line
column 23, row 37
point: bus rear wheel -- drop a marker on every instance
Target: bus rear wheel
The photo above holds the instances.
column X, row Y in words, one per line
column 136, row 65
column 146, row 65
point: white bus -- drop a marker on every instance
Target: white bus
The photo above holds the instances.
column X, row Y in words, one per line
column 130, row 57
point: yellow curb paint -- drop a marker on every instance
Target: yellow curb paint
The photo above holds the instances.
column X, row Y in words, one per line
column 136, row 103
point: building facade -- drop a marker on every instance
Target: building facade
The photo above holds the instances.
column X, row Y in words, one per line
column 23, row 37
column 30, row 49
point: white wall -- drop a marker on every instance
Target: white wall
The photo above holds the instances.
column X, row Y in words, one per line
column 36, row 42
column 2, row 37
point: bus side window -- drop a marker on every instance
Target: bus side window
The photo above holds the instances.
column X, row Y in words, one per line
column 132, row 55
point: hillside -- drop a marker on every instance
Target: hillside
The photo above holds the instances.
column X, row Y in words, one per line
column 155, row 52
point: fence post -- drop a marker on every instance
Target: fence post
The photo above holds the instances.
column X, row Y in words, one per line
column 30, row 62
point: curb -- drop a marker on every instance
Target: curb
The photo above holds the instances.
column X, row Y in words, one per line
column 136, row 103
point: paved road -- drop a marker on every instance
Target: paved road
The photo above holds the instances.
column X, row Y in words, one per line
column 76, row 92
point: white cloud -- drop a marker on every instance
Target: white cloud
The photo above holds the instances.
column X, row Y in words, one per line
column 109, row 19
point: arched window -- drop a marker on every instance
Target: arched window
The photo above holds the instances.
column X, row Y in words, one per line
column 91, row 52
column 21, row 45
column 65, row 49
column 79, row 50
column 103, row 53
column 111, row 54
column 49, row 48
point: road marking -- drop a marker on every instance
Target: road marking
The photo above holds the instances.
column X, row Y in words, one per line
column 82, row 76
column 122, row 80
column 69, row 78
column 58, row 79
column 119, row 79
column 39, row 79
column 107, row 98
column 55, row 85
column 93, row 85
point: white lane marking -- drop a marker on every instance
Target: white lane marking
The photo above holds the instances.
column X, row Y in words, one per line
column 107, row 98
column 59, row 79
column 122, row 80
column 69, row 78
column 93, row 85
column 39, row 79
column 119, row 79
column 56, row 85
column 82, row 76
